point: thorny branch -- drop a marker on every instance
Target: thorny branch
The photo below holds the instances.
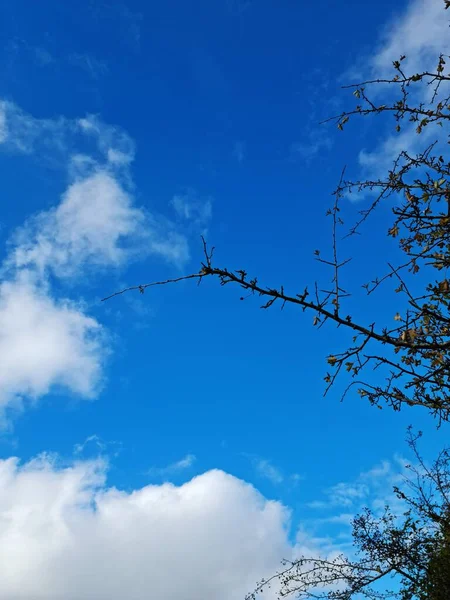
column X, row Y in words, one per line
column 412, row 358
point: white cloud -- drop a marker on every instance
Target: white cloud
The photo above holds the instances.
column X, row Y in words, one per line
column 382, row 158
column 21, row 132
column 56, row 139
column 45, row 343
column 66, row 535
column 421, row 32
column 49, row 343
column 95, row 223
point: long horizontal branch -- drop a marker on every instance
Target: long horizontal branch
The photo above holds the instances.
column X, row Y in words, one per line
column 239, row 277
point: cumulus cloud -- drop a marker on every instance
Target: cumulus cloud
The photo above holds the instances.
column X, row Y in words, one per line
column 67, row 535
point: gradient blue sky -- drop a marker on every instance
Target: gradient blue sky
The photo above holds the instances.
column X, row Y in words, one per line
column 127, row 130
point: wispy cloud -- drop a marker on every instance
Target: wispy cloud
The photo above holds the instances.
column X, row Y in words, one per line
column 316, row 142
column 370, row 488
column 239, row 151
column 43, row 57
column 192, row 208
column 114, row 143
column 267, row 470
column 346, row 494
column 21, row 132
column 58, row 139
column 180, row 465
column 92, row 439
column 94, row 67
column 100, row 447
column 19, row 48
column 342, row 502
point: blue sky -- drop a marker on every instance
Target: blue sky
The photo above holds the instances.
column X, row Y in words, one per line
column 127, row 130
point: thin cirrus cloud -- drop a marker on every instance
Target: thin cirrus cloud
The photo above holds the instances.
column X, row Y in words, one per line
column 176, row 467
column 93, row 66
column 268, row 471
column 47, row 341
column 316, row 143
column 373, row 488
column 21, row 132
column 192, row 208
column 239, row 151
